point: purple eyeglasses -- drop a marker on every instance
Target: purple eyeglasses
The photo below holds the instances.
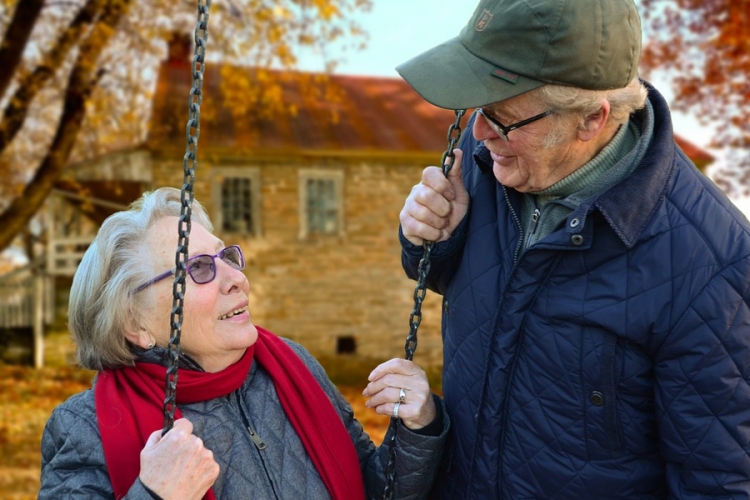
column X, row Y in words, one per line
column 202, row 268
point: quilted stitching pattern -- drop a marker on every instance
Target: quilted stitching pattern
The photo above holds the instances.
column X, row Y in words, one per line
column 73, row 464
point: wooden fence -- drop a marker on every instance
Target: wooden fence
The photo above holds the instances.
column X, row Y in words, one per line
column 26, row 302
column 17, row 299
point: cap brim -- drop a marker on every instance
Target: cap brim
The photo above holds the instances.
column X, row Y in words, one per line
column 451, row 77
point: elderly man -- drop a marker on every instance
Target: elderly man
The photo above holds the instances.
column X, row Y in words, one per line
column 595, row 284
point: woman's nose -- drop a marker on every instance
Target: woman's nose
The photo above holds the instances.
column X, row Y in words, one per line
column 232, row 278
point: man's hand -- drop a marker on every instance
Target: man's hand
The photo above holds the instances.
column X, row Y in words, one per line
column 435, row 206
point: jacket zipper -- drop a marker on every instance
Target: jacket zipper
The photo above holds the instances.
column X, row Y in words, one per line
column 258, row 441
column 254, row 437
column 516, row 255
column 512, row 369
column 518, row 224
column 534, row 221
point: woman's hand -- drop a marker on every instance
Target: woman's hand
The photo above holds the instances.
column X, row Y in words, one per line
column 417, row 407
column 177, row 465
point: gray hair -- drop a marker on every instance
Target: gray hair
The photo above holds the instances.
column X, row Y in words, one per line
column 574, row 104
column 101, row 307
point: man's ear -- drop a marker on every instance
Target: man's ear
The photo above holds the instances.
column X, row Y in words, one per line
column 594, row 123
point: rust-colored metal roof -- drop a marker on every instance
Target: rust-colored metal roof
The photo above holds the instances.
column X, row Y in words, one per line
column 370, row 115
column 698, row 155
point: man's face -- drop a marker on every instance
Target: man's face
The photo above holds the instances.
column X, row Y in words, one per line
column 526, row 162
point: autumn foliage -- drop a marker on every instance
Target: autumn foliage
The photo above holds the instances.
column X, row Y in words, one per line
column 704, row 47
column 78, row 76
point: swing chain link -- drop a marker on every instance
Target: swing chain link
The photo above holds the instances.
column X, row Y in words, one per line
column 420, row 291
column 189, row 164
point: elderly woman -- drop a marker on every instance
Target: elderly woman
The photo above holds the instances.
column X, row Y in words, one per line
column 257, row 417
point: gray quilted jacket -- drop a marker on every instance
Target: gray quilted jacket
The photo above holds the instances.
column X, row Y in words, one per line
column 73, row 463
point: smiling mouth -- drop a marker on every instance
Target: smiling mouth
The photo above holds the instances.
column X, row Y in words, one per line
column 234, row 313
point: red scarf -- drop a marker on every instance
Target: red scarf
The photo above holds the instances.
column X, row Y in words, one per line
column 129, row 406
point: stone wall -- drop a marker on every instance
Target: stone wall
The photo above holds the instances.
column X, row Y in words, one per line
column 324, row 290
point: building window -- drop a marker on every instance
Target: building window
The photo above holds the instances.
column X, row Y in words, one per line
column 346, row 345
column 321, row 202
column 236, row 197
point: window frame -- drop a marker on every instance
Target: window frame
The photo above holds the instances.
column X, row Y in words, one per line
column 219, row 175
column 337, row 176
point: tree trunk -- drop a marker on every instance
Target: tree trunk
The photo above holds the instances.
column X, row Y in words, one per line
column 29, row 86
column 16, row 37
column 81, row 82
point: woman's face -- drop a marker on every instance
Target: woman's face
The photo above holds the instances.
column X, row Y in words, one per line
column 216, row 328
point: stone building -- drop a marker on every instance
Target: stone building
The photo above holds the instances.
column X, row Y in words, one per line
column 313, row 199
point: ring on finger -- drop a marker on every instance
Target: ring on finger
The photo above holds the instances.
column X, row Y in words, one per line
column 402, row 395
column 395, row 409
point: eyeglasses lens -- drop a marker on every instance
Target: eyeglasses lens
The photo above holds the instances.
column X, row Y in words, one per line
column 202, row 269
column 233, row 257
column 494, row 124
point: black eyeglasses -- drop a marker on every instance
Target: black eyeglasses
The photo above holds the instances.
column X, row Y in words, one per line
column 501, row 129
column 202, row 268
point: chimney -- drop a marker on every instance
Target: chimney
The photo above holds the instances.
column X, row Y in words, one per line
column 180, row 49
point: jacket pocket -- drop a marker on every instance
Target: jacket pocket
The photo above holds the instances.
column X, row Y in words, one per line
column 600, row 400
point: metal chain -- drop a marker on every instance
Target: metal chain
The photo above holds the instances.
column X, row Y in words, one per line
column 189, row 164
column 454, row 134
column 420, row 291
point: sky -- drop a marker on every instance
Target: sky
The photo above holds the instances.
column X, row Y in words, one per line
column 401, row 29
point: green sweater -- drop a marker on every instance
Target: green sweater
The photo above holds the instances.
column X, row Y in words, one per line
column 544, row 211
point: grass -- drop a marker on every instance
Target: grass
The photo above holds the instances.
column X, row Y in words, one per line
column 27, row 397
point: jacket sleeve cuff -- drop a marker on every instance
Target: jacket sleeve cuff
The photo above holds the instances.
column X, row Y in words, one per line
column 434, row 428
column 441, row 249
column 148, row 490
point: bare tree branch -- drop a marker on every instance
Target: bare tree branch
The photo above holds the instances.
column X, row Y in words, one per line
column 15, row 112
column 19, row 30
column 81, row 83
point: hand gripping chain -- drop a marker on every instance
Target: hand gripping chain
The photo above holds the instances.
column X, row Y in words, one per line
column 454, row 134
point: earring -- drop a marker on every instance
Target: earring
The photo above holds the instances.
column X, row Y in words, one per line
column 151, row 345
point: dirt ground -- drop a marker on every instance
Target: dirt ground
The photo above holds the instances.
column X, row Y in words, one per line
column 28, row 396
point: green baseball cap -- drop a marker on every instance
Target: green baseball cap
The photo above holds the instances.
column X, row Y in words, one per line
column 512, row 46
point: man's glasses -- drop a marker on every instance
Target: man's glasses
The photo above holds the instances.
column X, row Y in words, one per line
column 501, row 129
column 202, row 268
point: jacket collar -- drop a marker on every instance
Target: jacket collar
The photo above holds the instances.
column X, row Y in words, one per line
column 630, row 204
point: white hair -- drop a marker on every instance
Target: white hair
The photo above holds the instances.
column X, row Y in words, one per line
column 573, row 105
column 102, row 307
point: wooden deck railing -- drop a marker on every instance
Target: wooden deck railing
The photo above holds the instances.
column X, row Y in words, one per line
column 17, row 299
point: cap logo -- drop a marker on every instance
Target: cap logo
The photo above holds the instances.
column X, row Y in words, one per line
column 505, row 75
column 484, row 20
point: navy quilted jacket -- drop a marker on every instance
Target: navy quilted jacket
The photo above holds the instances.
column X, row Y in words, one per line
column 611, row 360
